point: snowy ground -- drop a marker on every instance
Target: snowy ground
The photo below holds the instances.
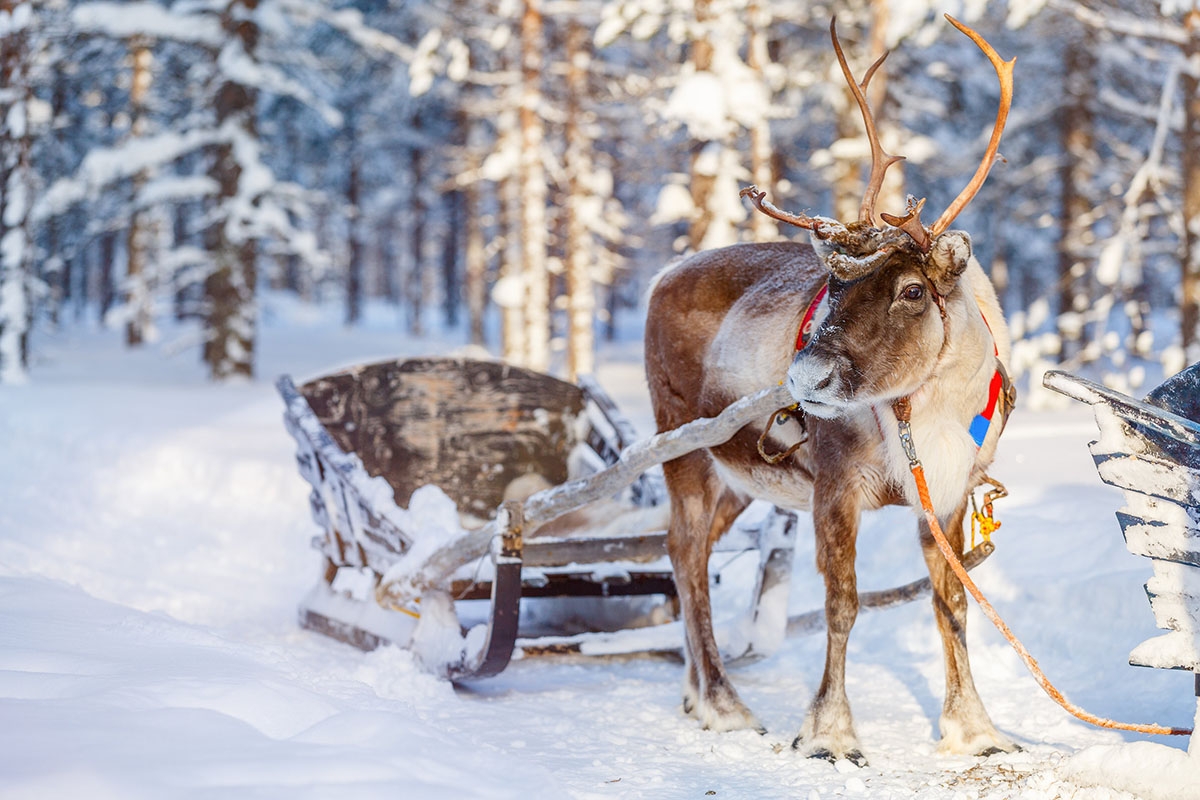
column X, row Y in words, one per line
column 154, row 543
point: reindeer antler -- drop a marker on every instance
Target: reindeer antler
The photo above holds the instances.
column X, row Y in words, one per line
column 865, row 240
column 1004, row 71
column 910, row 223
column 880, row 159
column 821, row 226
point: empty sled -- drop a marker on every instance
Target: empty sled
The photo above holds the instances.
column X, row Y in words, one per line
column 400, row 454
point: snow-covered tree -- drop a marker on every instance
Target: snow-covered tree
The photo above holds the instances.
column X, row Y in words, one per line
column 209, row 124
column 16, row 188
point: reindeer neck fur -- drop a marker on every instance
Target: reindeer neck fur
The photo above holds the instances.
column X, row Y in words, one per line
column 942, row 409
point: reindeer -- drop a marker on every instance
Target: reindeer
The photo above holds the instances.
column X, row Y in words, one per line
column 898, row 310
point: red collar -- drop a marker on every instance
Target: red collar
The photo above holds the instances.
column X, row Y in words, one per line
column 806, row 326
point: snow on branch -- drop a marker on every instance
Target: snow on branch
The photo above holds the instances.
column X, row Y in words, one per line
column 103, row 167
column 150, row 19
column 349, row 22
column 236, row 65
column 1147, row 178
column 16, row 20
column 1123, row 24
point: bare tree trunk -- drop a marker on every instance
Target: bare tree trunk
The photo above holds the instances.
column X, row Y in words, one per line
column 761, row 162
column 57, row 272
column 16, row 245
column 355, row 265
column 451, row 277
column 509, row 292
column 1075, row 176
column 139, row 240
column 533, row 191
column 413, row 290
column 389, row 263
column 891, row 194
column 475, row 278
column 1191, row 192
column 179, row 237
column 703, row 154
column 849, row 182
column 581, row 294
column 106, row 290
column 229, row 290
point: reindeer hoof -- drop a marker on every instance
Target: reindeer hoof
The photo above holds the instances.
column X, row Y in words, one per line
column 854, row 756
column 996, row 750
column 822, row 754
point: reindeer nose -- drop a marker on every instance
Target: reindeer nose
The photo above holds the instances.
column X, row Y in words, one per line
column 810, row 376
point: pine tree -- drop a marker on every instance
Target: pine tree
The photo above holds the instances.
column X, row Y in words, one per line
column 16, row 17
column 229, row 290
column 533, row 191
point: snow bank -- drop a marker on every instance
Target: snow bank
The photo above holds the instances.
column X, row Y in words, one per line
column 1146, row 770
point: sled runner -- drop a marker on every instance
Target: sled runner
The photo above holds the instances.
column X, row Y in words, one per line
column 527, row 487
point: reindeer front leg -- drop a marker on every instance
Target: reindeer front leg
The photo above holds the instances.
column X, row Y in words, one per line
column 965, row 725
column 828, row 730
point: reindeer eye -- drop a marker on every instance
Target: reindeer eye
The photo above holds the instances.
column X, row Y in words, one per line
column 914, row 291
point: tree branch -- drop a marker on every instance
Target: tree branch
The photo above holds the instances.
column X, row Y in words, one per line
column 1121, row 23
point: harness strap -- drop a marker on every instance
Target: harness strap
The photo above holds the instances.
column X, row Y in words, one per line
column 983, row 420
column 1000, row 386
column 806, row 326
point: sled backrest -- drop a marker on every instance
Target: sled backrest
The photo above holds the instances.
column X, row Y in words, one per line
column 470, row 427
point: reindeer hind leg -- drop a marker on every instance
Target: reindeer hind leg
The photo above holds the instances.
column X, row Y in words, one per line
column 702, row 509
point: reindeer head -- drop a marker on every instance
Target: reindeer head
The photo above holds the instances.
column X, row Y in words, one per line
column 889, row 277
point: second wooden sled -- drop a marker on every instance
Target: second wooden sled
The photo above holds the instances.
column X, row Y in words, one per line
column 400, row 453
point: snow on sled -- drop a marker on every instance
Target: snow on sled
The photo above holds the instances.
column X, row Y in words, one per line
column 1151, row 450
column 403, row 456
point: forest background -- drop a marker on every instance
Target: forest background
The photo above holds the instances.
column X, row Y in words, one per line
column 518, row 171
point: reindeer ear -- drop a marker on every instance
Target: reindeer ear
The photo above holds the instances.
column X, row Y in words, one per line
column 824, row 247
column 948, row 260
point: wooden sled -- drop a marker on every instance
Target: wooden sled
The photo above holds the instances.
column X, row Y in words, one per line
column 369, row 437
column 400, row 452
column 1150, row 449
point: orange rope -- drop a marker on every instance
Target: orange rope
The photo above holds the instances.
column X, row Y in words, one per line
column 955, row 564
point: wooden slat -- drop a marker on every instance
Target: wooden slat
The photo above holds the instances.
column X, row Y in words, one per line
column 1174, row 650
column 1174, row 592
column 1147, row 474
column 358, row 529
column 1156, row 539
column 1152, row 417
column 557, row 552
